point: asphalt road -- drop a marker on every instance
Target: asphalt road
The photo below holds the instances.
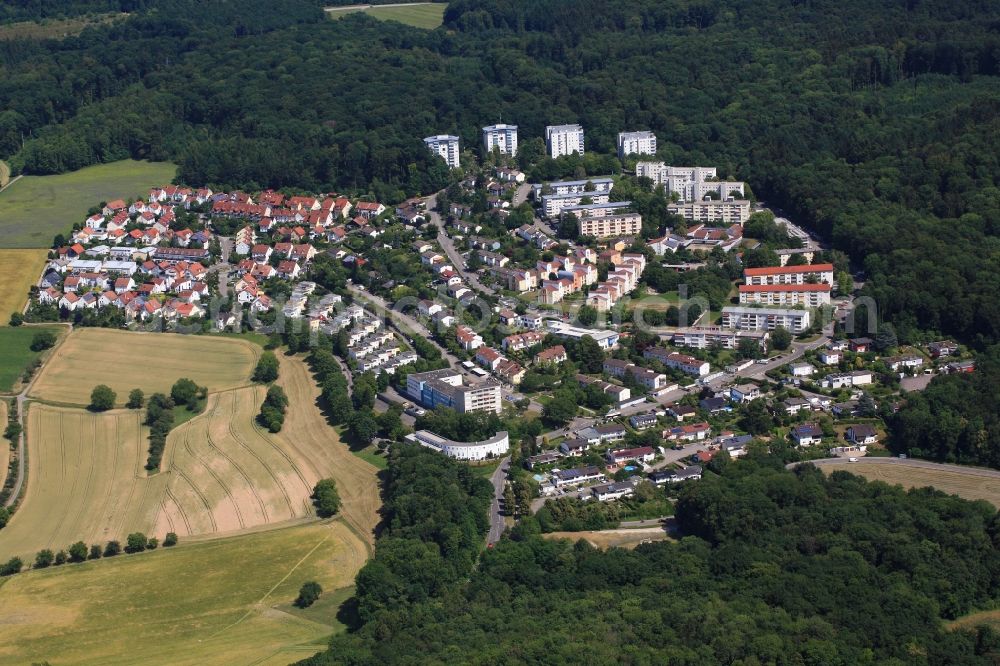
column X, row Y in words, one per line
column 449, row 248
column 497, row 525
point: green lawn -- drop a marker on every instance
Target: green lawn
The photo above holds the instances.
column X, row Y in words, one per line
column 371, row 455
column 419, row 15
column 15, row 354
column 36, row 208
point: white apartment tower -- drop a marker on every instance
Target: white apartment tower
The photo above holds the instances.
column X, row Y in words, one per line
column 446, row 146
column 632, row 143
column 563, row 140
column 502, row 137
column 690, row 183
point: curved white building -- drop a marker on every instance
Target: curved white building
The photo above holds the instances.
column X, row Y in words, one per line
column 496, row 446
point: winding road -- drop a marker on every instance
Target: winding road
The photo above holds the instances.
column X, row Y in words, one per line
column 449, row 247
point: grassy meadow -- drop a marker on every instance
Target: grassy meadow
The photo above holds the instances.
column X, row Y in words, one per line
column 224, row 601
column 36, row 208
column 16, row 354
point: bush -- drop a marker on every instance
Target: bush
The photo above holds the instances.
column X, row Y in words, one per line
column 170, row 540
column 136, row 399
column 44, row 558
column 325, row 498
column 61, row 558
column 95, row 552
column 4, row 516
column 272, row 411
column 267, row 368
column 16, row 319
column 11, row 567
column 43, row 340
column 185, row 392
column 308, row 594
column 136, row 542
column 113, row 548
column 78, row 552
column 12, row 432
column 102, row 398
column 152, row 543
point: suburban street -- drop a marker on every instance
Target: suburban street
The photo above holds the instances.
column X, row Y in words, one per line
column 448, row 245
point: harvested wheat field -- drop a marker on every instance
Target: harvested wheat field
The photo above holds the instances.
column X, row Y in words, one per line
column 227, row 474
column 85, row 481
column 125, row 360
column 308, row 437
column 225, row 601
column 19, row 271
column 971, row 483
column 617, row 538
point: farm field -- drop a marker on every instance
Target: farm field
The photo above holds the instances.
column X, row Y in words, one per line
column 419, row 15
column 967, row 486
column 19, row 271
column 618, row 538
column 36, row 208
column 309, row 437
column 224, row 601
column 85, row 480
column 151, row 361
column 16, row 354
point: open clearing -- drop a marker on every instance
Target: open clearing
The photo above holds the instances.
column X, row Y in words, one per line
column 620, row 538
column 420, row 15
column 53, row 28
column 966, row 485
column 151, row 361
column 226, row 601
column 16, row 354
column 36, row 208
column 19, row 271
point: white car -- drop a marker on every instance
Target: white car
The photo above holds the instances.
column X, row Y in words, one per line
column 850, row 460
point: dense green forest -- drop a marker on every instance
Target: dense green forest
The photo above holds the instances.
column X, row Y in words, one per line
column 779, row 567
column 884, row 136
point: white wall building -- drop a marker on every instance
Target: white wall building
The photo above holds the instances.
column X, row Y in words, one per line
column 494, row 447
column 553, row 204
column 690, row 183
column 446, row 146
column 502, row 137
column 563, row 140
column 595, row 184
column 757, row 319
column 789, row 274
column 731, row 212
column 633, row 143
column 809, row 295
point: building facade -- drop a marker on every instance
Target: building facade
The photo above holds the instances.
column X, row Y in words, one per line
column 808, row 295
column 444, row 388
column 502, row 137
column 765, row 319
column 563, row 140
column 703, row 337
column 494, row 447
column 813, row 273
column 636, row 143
column 446, row 146
column 733, row 211
column 690, row 183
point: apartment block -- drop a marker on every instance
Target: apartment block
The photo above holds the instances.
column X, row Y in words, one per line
column 812, row 273
column 682, row 362
column 502, row 137
column 765, row 319
column 446, row 146
column 444, row 388
column 703, row 337
column 564, row 140
column 554, row 204
column 808, row 295
column 690, row 183
column 734, row 211
column 636, row 143
column 595, row 184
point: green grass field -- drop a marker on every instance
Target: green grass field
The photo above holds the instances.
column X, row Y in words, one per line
column 15, row 354
column 53, row 28
column 226, row 601
column 36, row 208
column 420, row 15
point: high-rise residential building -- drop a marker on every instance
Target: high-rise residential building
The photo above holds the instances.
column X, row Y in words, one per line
column 564, row 140
column 444, row 388
column 502, row 137
column 690, row 183
column 446, row 146
column 636, row 143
